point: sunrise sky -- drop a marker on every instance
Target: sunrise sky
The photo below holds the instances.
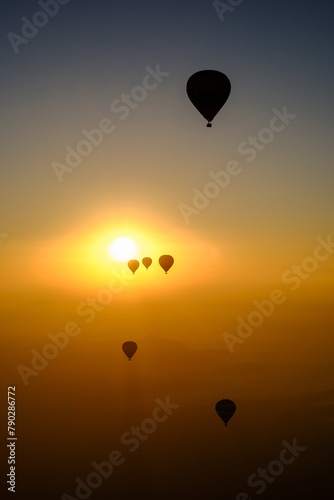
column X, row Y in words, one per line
column 148, row 171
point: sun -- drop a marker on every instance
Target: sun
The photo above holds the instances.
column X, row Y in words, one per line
column 122, row 249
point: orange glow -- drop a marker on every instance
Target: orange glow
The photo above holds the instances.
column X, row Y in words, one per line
column 81, row 260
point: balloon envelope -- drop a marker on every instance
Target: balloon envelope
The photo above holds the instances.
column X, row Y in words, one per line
column 129, row 348
column 133, row 265
column 147, row 261
column 166, row 262
column 225, row 409
column 208, row 90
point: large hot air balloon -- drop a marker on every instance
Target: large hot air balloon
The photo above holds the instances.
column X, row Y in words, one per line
column 166, row 262
column 133, row 265
column 129, row 348
column 225, row 409
column 147, row 261
column 208, row 90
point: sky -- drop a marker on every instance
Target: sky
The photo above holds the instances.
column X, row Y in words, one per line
column 100, row 141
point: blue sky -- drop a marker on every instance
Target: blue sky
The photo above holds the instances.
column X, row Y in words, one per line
column 66, row 77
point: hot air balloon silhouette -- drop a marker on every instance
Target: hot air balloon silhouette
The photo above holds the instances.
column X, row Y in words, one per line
column 225, row 409
column 147, row 261
column 133, row 265
column 166, row 262
column 208, row 90
column 129, row 348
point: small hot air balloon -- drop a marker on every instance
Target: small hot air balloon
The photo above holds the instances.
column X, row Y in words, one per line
column 166, row 262
column 147, row 261
column 208, row 90
column 129, row 348
column 133, row 265
column 225, row 409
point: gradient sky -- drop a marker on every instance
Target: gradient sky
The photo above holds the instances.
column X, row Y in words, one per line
column 236, row 250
